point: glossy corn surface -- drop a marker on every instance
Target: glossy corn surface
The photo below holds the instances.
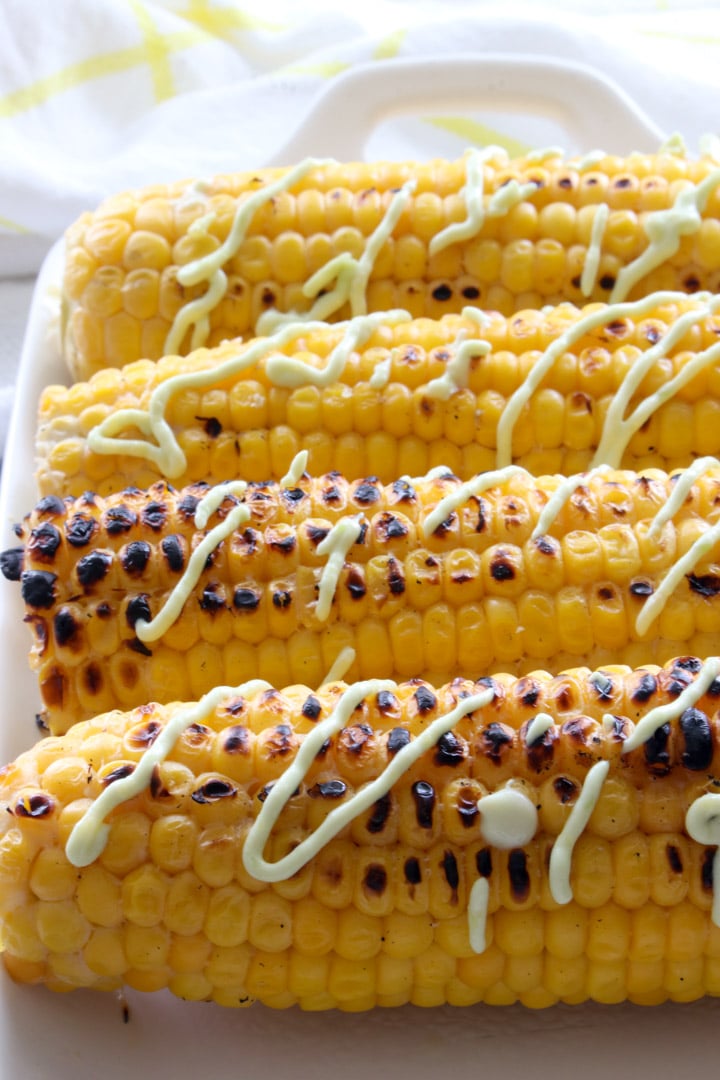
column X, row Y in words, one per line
column 249, row 426
column 379, row 916
column 477, row 594
column 121, row 290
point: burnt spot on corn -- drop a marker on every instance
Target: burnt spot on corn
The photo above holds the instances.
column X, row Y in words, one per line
column 607, row 282
column 565, row 789
column 424, row 796
column 293, row 496
column 281, row 598
column 501, row 567
column 641, row 588
column 603, row 686
column 34, row 806
column 11, row 563
column 356, row 740
column 389, row 527
column 646, row 687
column 138, row 608
column 196, row 734
column 691, row 283
column 695, row 728
column 52, row 688
column 145, row 735
column 404, row 491
column 236, row 740
column 518, row 875
column 135, row 556
column 92, row 677
column 425, row 700
column 93, row 567
column 355, row 582
column 496, row 739
column 449, row 868
column 186, row 505
column 328, row 789
column 656, row 750
column 119, row 519
column 44, row 541
column 246, row 599
column 80, row 529
column 546, row 545
column 279, row 741
column 268, row 297
column 311, row 707
column 471, row 292
column 213, row 598
column 449, row 750
column 619, row 729
column 565, row 697
column 528, row 691
column 674, row 859
column 172, row 548
column 397, row 738
column 704, row 584
column 395, row 577
column 139, row 646
column 214, row 790
column 154, row 515
column 578, row 729
column 687, row 663
column 51, row 505
column 541, row 752
column 706, row 870
column 367, row 492
column 412, row 871
column 330, row 494
column 316, row 533
column 65, row 626
column 379, row 814
column 483, row 862
column 442, row 292
column 118, row 774
column 38, row 588
column 467, row 807
column 157, row 788
column 39, row 628
column 211, row 425
column 387, row 703
column 375, row 880
column 284, row 544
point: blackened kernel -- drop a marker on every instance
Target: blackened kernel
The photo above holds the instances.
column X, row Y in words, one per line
column 103, row 610
column 80, row 529
column 449, row 750
column 135, row 557
column 329, row 789
column 212, row 598
column 236, row 740
column 35, row 806
column 691, row 283
column 607, row 282
column 647, row 686
column 293, row 495
column 282, row 598
column 376, row 878
column 528, row 691
column 366, row 494
column 118, row 774
column 172, row 548
column 467, row 806
column 696, row 731
column 546, row 545
column 355, row 582
column 211, row 424
column 396, row 578
column 412, row 871
column 391, row 527
column 641, row 588
column 139, row 646
column 495, row 738
column 386, row 701
column 404, row 490
column 471, row 292
column 50, row 504
column 379, row 814
column 53, row 686
column 424, row 699
column 93, row 678
column 65, row 626
column 38, row 588
column 501, row 569
column 688, row 663
column 656, row 749
column 284, row 544
column 138, row 608
column 442, row 292
column 331, row 494
column 246, row 599
column 674, row 859
column 424, row 796
column 119, row 519
column 157, row 788
column 707, row 585
column 603, row 686
column 146, row 735
column 397, row 738
column 93, row 567
column 450, row 869
column 565, row 789
column 518, row 875
column 483, row 862
column 44, row 541
column 311, row 707
column 706, row 870
column 154, row 515
column 213, row 790
column 187, row 505
column 39, row 628
column 355, row 738
column 11, row 563
column 316, row 533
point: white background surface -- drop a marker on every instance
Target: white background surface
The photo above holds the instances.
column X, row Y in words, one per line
column 81, row 1036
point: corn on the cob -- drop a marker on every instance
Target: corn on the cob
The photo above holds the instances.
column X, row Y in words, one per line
column 380, row 914
column 531, row 242
column 423, row 589
column 317, row 389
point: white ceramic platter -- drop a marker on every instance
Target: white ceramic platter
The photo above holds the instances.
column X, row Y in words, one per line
column 82, row 1035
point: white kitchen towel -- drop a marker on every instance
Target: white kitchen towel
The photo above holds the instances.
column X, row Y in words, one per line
column 100, row 95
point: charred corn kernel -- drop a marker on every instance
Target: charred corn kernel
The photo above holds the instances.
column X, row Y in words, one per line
column 248, row 426
column 170, row 903
column 535, row 249
column 461, row 598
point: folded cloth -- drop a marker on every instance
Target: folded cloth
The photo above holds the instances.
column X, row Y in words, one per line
column 101, row 95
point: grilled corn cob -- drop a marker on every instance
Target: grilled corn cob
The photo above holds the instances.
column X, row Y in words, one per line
column 385, row 912
column 528, row 243
column 423, row 589
column 385, row 397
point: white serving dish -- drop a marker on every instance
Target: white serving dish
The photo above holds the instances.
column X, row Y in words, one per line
column 82, row 1035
